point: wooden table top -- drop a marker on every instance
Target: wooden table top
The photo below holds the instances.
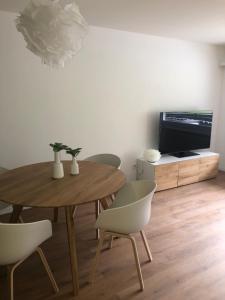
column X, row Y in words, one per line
column 34, row 186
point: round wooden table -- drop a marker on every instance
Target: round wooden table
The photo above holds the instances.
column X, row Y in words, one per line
column 33, row 186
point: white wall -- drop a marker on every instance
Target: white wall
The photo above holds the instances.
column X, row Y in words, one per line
column 221, row 117
column 106, row 100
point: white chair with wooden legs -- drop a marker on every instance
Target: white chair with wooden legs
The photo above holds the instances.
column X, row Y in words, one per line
column 19, row 241
column 107, row 159
column 129, row 213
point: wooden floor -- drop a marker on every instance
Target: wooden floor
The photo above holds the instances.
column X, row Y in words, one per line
column 187, row 238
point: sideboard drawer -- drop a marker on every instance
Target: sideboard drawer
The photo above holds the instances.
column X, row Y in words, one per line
column 166, row 176
column 188, row 172
column 208, row 167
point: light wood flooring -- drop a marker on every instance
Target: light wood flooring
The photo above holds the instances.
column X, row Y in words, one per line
column 187, row 238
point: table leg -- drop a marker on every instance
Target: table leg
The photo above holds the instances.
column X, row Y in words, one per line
column 72, row 248
column 97, row 212
column 56, row 214
column 17, row 209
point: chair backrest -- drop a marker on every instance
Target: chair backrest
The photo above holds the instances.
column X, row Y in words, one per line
column 17, row 241
column 131, row 210
column 107, row 159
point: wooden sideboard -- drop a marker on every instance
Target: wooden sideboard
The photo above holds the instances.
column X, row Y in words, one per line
column 171, row 172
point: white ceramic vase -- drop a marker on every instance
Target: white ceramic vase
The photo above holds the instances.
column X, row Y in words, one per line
column 58, row 171
column 74, row 167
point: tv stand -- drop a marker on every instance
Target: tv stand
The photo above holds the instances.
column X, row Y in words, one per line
column 184, row 154
column 170, row 172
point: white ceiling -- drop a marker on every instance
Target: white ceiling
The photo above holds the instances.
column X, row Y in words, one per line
column 197, row 20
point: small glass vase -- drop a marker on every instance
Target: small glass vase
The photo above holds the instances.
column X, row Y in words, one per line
column 74, row 167
column 58, row 171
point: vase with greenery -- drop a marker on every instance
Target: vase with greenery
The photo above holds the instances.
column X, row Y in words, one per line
column 74, row 166
column 58, row 171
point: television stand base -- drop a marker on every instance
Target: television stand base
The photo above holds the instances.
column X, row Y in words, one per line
column 183, row 154
column 171, row 172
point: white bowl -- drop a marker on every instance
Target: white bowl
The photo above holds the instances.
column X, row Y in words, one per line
column 152, row 155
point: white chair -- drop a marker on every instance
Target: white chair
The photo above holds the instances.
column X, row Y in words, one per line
column 129, row 213
column 18, row 241
column 107, row 159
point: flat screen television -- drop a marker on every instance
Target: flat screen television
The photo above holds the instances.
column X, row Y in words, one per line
column 180, row 132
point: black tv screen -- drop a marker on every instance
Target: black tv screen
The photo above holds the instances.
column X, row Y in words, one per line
column 184, row 131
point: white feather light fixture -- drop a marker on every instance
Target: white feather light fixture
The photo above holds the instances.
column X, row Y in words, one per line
column 53, row 29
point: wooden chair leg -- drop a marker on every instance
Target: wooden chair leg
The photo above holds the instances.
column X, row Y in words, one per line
column 137, row 263
column 17, row 209
column 97, row 212
column 47, row 269
column 56, row 215
column 145, row 241
column 10, row 282
column 104, row 203
column 112, row 197
column 111, row 242
column 97, row 256
column 74, row 211
column 11, row 269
